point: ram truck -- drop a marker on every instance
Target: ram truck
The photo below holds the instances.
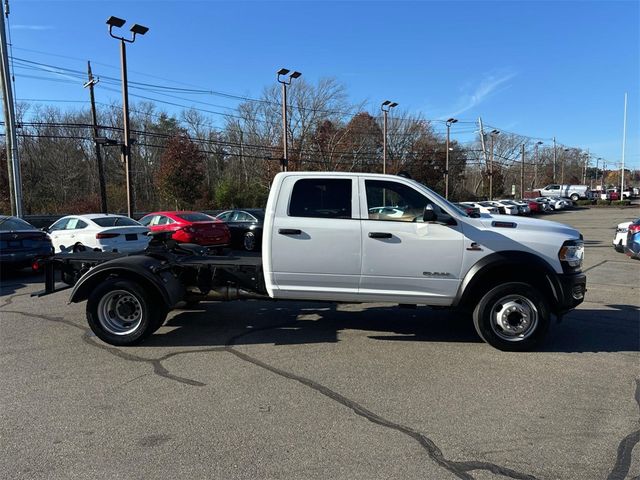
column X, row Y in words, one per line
column 347, row 237
column 574, row 192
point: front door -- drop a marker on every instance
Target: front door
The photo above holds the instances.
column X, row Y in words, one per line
column 403, row 257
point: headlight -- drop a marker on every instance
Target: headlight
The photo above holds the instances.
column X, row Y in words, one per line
column 571, row 255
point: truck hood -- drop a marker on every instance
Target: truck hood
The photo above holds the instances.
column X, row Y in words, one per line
column 531, row 225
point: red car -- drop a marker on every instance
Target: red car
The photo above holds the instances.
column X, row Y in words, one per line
column 190, row 227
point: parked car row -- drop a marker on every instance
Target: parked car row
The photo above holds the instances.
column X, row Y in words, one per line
column 21, row 244
column 516, row 207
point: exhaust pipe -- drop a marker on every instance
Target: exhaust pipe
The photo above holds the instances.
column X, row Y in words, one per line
column 227, row 293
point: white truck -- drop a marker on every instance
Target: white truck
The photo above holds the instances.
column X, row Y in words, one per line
column 326, row 238
column 574, row 192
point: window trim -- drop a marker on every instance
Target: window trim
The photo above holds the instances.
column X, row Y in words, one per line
column 354, row 201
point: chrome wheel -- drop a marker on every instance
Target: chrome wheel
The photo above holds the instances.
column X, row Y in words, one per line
column 119, row 312
column 249, row 241
column 514, row 318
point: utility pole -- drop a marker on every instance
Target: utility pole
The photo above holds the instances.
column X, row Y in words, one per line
column 13, row 159
column 450, row 122
column 492, row 135
column 385, row 107
column 624, row 141
column 484, row 149
column 555, row 158
column 522, row 172
column 94, row 117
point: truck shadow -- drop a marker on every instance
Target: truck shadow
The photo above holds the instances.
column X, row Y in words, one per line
column 12, row 280
column 293, row 323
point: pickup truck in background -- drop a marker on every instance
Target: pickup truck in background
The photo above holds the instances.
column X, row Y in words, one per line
column 347, row 237
column 574, row 192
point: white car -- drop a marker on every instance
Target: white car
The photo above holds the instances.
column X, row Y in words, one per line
column 509, row 209
column 554, row 204
column 620, row 239
column 482, row 208
column 101, row 232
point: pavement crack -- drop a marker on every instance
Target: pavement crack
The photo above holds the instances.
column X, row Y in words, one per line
column 625, row 448
column 158, row 368
column 9, row 299
column 459, row 469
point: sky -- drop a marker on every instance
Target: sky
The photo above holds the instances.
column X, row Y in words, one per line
column 537, row 68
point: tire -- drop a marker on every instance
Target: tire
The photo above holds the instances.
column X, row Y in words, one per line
column 512, row 317
column 249, row 242
column 120, row 312
column 619, row 247
column 575, row 197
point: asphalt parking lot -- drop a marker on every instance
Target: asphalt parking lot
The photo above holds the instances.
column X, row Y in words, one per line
column 287, row 390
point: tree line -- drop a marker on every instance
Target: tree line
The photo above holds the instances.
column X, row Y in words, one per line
column 188, row 161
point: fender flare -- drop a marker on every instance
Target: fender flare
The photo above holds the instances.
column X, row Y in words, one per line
column 524, row 263
column 145, row 270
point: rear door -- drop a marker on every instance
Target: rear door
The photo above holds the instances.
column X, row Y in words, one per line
column 316, row 239
column 403, row 258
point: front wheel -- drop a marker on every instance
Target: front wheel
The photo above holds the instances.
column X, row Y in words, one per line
column 575, row 197
column 512, row 317
column 120, row 312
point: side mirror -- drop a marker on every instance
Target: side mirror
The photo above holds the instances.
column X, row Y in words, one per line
column 45, row 229
column 429, row 214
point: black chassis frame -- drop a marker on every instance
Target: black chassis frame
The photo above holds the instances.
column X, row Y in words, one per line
column 178, row 272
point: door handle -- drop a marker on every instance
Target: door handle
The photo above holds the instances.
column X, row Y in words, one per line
column 289, row 231
column 380, row 235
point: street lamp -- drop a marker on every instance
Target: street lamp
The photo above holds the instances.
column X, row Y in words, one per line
column 535, row 166
column 492, row 135
column 136, row 29
column 287, row 81
column 449, row 122
column 385, row 107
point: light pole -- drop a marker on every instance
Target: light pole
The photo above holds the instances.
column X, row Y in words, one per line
column 385, row 107
column 535, row 166
column 492, row 135
column 287, row 81
column 450, row 122
column 562, row 165
column 136, row 29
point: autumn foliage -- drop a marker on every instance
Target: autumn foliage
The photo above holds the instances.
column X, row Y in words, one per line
column 181, row 173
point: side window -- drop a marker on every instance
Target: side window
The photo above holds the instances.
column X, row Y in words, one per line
column 146, row 220
column 321, row 198
column 554, row 187
column 242, row 217
column 397, row 202
column 154, row 221
column 75, row 224
column 59, row 225
column 224, row 216
column 162, row 220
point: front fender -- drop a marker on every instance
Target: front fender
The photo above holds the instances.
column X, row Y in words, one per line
column 149, row 272
column 508, row 266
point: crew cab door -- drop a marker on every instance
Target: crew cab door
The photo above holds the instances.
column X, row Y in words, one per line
column 403, row 258
column 316, row 239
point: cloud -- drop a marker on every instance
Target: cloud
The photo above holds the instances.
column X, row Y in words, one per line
column 32, row 27
column 483, row 90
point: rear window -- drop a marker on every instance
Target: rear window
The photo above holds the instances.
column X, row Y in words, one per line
column 195, row 217
column 12, row 223
column 321, row 198
column 115, row 222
